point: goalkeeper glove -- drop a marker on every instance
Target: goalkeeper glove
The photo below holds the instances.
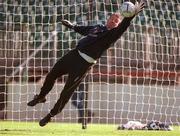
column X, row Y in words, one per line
column 67, row 23
column 139, row 6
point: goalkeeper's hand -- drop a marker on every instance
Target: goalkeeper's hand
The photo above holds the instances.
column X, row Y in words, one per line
column 67, row 23
column 139, row 6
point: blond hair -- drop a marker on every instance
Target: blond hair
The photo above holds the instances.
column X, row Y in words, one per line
column 117, row 15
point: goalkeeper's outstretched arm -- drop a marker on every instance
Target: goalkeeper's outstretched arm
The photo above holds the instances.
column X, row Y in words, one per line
column 83, row 30
column 123, row 25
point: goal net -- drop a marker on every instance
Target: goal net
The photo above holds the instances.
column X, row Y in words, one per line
column 136, row 79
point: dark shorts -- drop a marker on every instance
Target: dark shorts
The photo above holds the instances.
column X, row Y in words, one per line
column 71, row 63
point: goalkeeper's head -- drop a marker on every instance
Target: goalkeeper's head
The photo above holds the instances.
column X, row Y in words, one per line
column 113, row 21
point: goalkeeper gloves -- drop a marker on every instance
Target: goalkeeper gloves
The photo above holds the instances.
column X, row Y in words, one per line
column 67, row 23
column 139, row 6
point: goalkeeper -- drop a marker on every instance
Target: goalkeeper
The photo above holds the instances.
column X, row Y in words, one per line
column 78, row 61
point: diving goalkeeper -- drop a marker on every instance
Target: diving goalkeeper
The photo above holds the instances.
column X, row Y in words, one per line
column 78, row 61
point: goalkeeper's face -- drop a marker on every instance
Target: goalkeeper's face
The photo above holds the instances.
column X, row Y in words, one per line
column 113, row 21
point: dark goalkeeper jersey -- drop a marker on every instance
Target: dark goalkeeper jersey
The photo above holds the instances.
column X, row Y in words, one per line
column 98, row 38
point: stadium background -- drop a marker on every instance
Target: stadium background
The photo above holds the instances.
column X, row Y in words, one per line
column 146, row 58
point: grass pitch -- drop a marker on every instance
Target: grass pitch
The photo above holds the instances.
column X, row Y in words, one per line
column 71, row 129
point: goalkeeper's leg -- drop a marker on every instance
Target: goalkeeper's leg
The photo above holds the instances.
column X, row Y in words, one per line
column 51, row 77
column 69, row 88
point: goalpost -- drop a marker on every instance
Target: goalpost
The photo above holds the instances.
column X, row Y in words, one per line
column 136, row 79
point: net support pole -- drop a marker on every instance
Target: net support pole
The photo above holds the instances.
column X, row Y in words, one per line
column 85, row 102
column 84, row 122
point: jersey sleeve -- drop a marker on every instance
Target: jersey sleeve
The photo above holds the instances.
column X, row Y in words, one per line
column 83, row 30
column 117, row 32
column 124, row 25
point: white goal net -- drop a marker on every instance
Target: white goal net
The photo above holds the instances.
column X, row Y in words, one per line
column 138, row 78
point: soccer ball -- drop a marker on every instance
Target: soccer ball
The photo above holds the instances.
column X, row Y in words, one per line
column 128, row 9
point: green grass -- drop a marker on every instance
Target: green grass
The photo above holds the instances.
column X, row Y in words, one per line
column 64, row 129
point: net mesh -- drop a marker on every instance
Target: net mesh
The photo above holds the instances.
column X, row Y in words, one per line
column 136, row 79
